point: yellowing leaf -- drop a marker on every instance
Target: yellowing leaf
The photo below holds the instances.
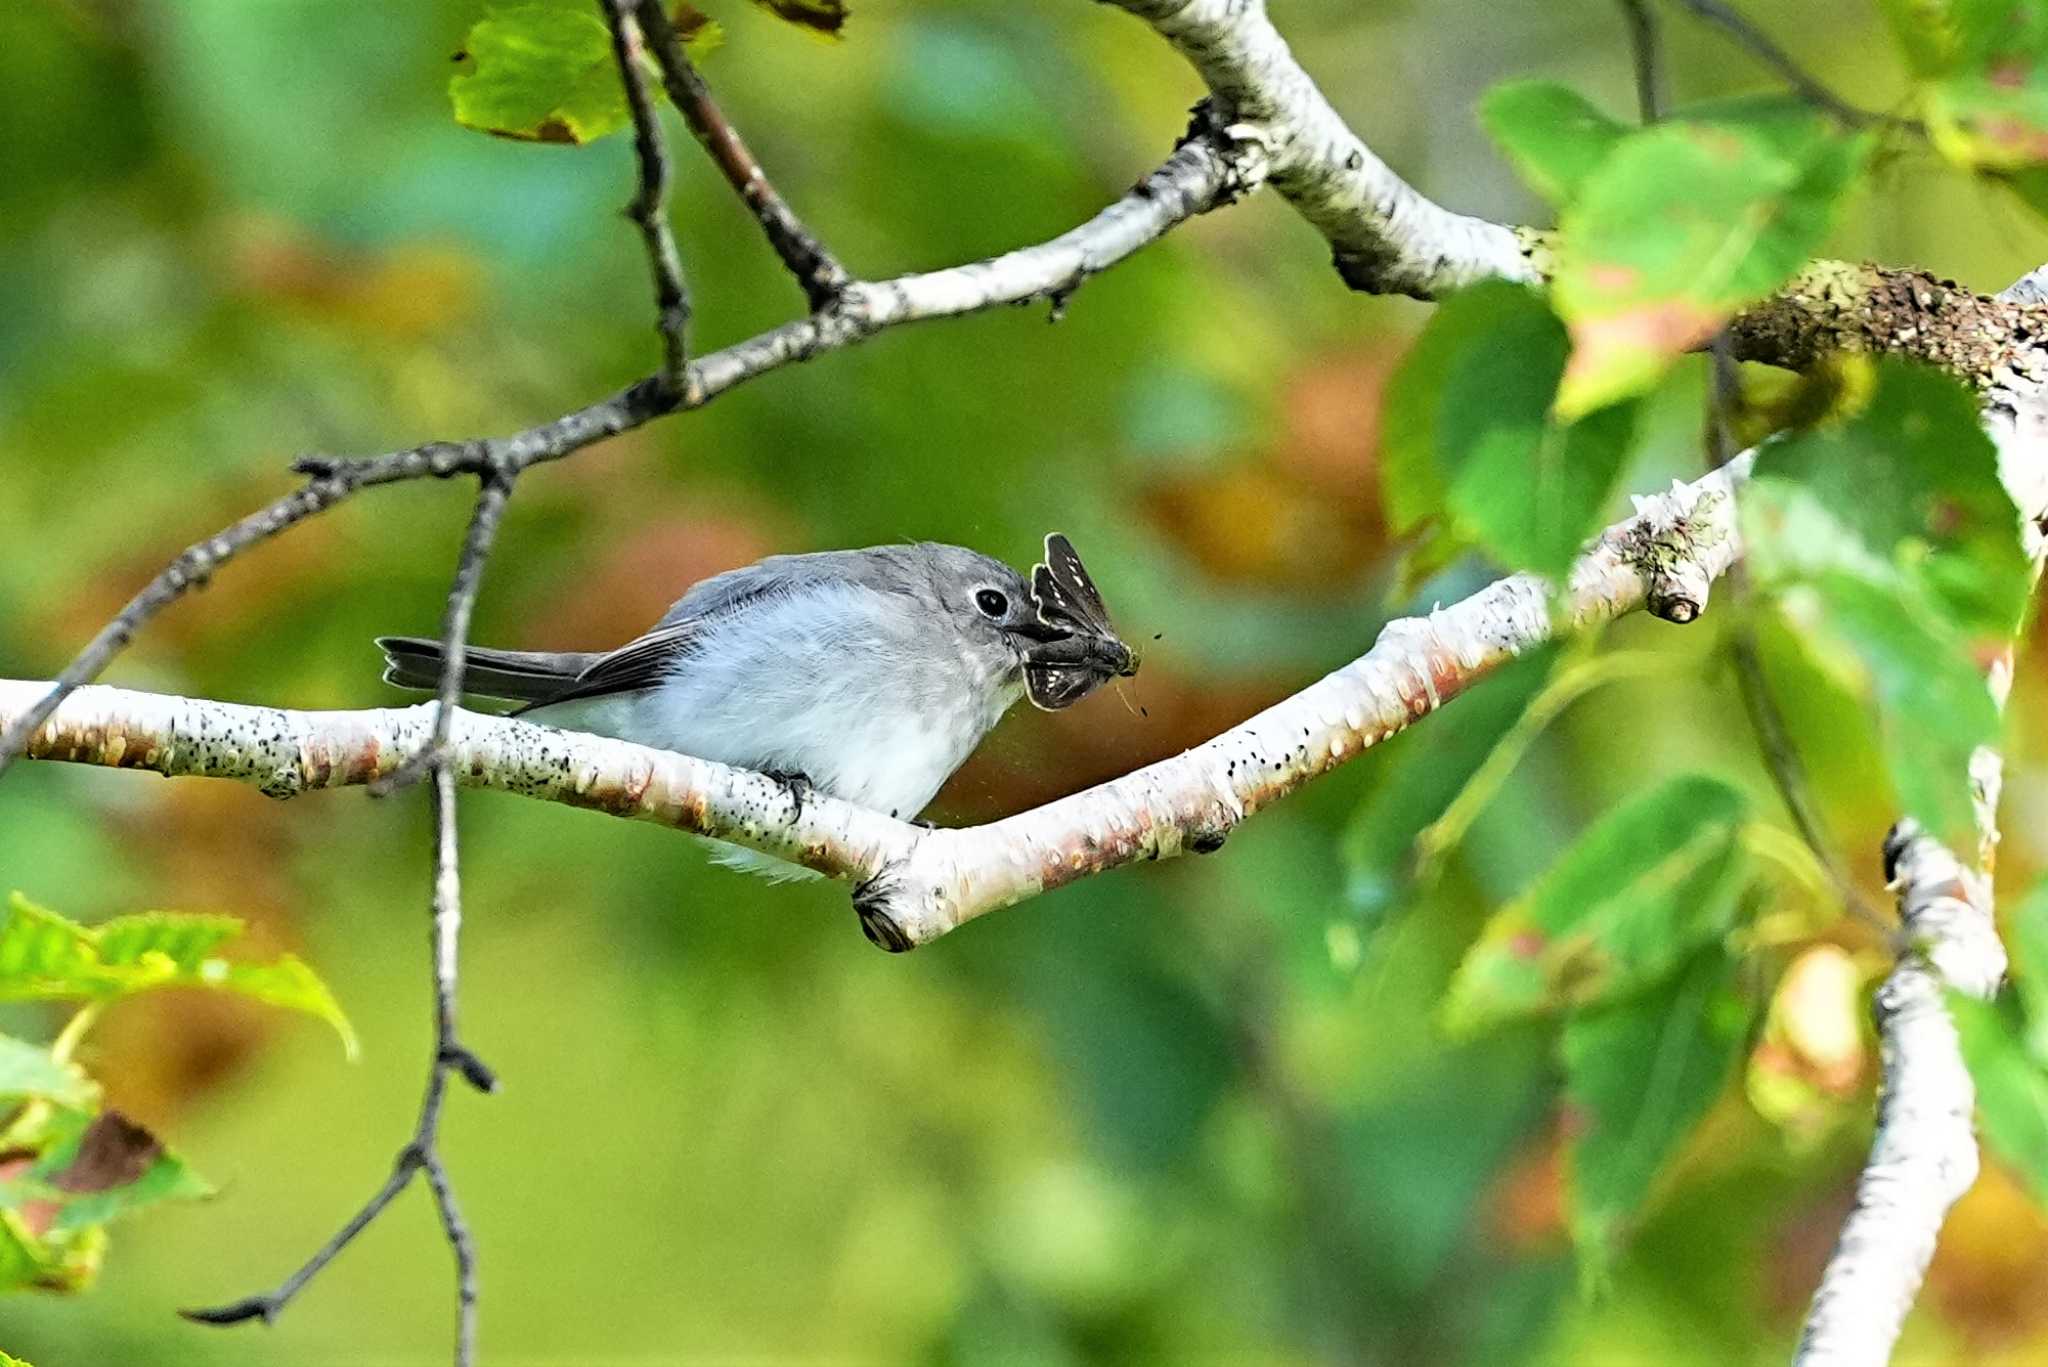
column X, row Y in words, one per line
column 1678, row 227
column 539, row 73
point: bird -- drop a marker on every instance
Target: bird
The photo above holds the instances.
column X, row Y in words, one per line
column 869, row 675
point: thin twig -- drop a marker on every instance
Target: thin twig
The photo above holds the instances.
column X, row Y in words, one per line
column 449, row 1054
column 422, row 1154
column 649, row 207
column 815, row 268
column 1199, row 175
column 1761, row 46
column 1648, row 59
column 1766, row 721
column 494, row 493
column 192, row 568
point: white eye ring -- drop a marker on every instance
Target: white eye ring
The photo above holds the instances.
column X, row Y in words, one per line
column 992, row 603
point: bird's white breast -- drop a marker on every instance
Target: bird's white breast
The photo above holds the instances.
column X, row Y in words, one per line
column 872, row 700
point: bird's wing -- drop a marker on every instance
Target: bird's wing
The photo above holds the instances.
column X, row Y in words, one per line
column 648, row 660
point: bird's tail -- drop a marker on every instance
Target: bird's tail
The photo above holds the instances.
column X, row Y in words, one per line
column 529, row 676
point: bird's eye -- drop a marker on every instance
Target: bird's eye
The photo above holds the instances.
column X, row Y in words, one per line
column 992, row 602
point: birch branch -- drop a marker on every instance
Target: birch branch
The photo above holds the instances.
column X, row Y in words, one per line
column 1923, row 1155
column 1387, row 237
column 913, row 885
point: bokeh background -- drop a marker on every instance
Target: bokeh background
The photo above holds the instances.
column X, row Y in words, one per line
column 1189, row 1112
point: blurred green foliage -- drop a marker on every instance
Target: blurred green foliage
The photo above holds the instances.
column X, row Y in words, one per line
column 1194, row 1110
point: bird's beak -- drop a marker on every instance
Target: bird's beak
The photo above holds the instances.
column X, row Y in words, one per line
column 1061, row 668
column 1100, row 654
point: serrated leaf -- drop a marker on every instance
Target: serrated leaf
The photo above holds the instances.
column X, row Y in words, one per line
column 539, row 73
column 37, row 946
column 1554, row 135
column 1946, row 524
column 1903, row 597
column 183, row 938
column 1638, row 1076
column 28, row 1072
column 823, row 17
column 2012, row 1087
column 1682, row 224
column 1649, row 883
column 44, row 956
column 285, row 982
column 1932, row 706
column 1469, row 438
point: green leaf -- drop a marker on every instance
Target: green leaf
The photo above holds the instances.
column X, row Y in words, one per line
column 286, row 982
column 1982, row 84
column 1904, row 597
column 41, row 952
column 539, row 73
column 2029, row 935
column 1638, row 1077
column 1932, row 706
column 182, row 938
column 31, row 1073
column 22, row 1255
column 62, row 1263
column 2012, row 1087
column 1921, row 30
column 1946, row 525
column 1554, row 135
column 1680, row 226
column 1469, row 436
column 822, row 17
column 1650, row 882
column 45, row 956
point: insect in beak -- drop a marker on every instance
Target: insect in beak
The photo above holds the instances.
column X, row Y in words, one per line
column 1073, row 647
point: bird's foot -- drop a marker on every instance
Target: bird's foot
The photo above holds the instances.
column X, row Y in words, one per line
column 798, row 785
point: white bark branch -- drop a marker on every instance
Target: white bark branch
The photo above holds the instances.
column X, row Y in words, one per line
column 1387, row 237
column 1923, row 1156
column 914, row 884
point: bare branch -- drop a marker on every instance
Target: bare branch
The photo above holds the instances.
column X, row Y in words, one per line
column 815, row 268
column 1647, row 55
column 1387, row 238
column 193, row 567
column 1761, row 46
column 491, row 499
column 649, row 208
column 421, row 1156
column 1923, row 1156
column 1202, row 173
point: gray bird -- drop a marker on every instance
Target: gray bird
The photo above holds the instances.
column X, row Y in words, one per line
column 868, row 674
